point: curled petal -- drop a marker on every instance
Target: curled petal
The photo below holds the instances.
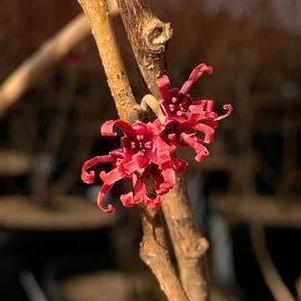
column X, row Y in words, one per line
column 169, row 180
column 163, row 151
column 179, row 165
column 137, row 163
column 139, row 189
column 167, row 99
column 229, row 109
column 202, row 110
column 88, row 176
column 192, row 141
column 194, row 77
column 112, row 176
column 205, row 105
column 109, row 209
column 117, row 154
column 164, row 85
column 107, row 128
column 128, row 200
column 153, row 203
column 207, row 130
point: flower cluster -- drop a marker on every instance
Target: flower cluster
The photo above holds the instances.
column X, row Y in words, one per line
column 146, row 156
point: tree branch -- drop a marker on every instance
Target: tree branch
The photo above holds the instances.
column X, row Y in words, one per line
column 189, row 245
column 154, row 253
column 48, row 55
column 153, row 250
column 149, row 36
column 268, row 269
column 98, row 16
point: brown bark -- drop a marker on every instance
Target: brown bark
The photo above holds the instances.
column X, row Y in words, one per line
column 149, row 36
column 47, row 56
column 98, row 15
column 154, row 253
column 188, row 243
column 153, row 250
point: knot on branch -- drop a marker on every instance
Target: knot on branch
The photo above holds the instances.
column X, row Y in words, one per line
column 197, row 249
column 157, row 34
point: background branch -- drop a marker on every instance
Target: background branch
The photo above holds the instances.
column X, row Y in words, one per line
column 268, row 269
column 47, row 56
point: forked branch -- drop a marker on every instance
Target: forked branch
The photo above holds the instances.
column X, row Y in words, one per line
column 149, row 36
column 153, row 250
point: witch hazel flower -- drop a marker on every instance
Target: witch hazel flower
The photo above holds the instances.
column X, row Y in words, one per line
column 146, row 156
column 189, row 122
column 144, row 159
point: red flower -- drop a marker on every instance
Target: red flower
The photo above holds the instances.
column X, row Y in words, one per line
column 185, row 119
column 144, row 158
column 175, row 104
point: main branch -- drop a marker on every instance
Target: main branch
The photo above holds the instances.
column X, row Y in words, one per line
column 153, row 250
column 98, row 15
column 149, row 36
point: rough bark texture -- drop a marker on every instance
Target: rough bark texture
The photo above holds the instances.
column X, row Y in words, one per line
column 47, row 56
column 149, row 37
column 153, row 248
column 98, row 15
column 189, row 245
column 154, row 253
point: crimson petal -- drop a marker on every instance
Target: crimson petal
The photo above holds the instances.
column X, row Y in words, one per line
column 107, row 128
column 110, row 209
column 207, row 130
column 194, row 77
column 113, row 176
column 201, row 151
column 229, row 109
column 88, row 177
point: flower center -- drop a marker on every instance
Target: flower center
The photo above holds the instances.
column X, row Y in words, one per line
column 178, row 106
column 140, row 144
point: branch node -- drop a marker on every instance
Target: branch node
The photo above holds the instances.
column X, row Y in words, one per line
column 157, row 34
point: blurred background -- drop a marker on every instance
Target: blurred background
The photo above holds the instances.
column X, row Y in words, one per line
column 54, row 243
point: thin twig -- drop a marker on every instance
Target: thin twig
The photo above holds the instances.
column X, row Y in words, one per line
column 268, row 269
column 149, row 36
column 153, row 250
column 47, row 56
